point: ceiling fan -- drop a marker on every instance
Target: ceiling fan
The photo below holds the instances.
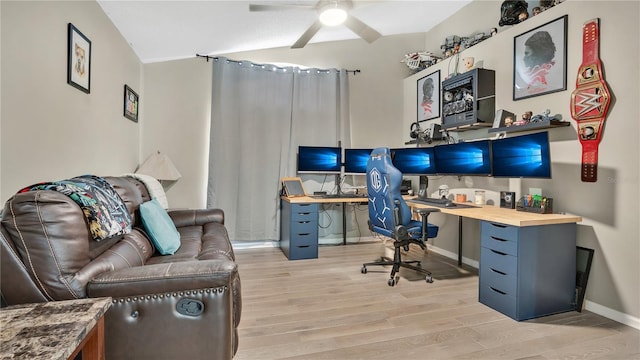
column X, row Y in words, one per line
column 330, row 13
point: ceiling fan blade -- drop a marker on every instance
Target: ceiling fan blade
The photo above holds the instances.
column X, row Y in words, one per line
column 279, row 7
column 362, row 29
column 304, row 39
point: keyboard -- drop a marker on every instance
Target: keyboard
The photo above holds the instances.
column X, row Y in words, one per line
column 434, row 201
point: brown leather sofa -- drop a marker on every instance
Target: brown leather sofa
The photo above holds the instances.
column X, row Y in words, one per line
column 181, row 306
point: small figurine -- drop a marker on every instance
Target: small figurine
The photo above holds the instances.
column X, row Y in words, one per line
column 536, row 10
column 468, row 63
column 494, row 31
column 523, row 16
column 508, row 121
column 526, row 117
column 543, row 117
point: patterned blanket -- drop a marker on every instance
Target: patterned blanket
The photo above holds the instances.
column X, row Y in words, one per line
column 103, row 208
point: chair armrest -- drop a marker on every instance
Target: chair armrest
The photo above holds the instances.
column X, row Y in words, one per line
column 425, row 211
column 198, row 217
column 162, row 278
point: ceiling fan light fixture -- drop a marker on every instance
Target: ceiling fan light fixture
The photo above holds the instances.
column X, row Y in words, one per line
column 333, row 14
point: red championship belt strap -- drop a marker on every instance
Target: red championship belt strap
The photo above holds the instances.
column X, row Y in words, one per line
column 590, row 101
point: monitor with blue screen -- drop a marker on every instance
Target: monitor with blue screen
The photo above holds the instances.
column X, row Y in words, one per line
column 464, row 158
column 522, row 156
column 319, row 159
column 414, row 161
column 355, row 160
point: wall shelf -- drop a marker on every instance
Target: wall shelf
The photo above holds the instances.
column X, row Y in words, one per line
column 546, row 124
column 474, row 126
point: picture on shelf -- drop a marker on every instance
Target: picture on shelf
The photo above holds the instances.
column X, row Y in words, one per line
column 429, row 96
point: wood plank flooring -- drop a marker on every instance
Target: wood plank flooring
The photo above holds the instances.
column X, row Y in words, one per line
column 326, row 309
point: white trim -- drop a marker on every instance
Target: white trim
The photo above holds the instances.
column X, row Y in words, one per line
column 614, row 315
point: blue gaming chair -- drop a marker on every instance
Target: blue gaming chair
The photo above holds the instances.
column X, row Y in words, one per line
column 389, row 215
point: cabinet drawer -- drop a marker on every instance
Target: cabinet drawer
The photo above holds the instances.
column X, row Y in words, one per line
column 506, row 232
column 499, row 244
column 498, row 280
column 304, row 212
column 502, row 262
column 297, row 252
column 498, row 300
column 301, row 227
column 304, row 239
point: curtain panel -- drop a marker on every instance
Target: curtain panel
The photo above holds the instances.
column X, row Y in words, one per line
column 260, row 113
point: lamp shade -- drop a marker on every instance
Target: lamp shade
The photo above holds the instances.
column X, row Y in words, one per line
column 160, row 167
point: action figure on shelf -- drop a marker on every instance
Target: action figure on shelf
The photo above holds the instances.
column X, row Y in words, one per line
column 510, row 11
column 543, row 117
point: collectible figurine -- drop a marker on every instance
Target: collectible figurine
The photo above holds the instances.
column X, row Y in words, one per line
column 543, row 117
column 510, row 11
column 536, row 10
column 468, row 63
column 523, row 16
column 508, row 121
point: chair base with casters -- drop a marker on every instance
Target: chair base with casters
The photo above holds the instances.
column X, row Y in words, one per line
column 403, row 241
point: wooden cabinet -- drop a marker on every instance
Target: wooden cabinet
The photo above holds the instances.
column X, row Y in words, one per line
column 469, row 98
column 529, row 271
column 299, row 230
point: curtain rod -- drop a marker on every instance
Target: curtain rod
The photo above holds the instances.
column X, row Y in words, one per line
column 236, row 61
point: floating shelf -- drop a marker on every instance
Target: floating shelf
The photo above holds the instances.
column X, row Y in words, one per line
column 532, row 126
column 474, row 126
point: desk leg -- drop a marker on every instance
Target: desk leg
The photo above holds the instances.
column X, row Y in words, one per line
column 459, row 240
column 344, row 223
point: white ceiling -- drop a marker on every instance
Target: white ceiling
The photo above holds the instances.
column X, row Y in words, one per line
column 161, row 30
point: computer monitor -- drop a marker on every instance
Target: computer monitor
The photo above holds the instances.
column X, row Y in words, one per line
column 464, row 158
column 319, row 159
column 355, row 160
column 414, row 161
column 522, row 156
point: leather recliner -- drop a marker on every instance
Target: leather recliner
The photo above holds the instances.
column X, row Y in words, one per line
column 181, row 306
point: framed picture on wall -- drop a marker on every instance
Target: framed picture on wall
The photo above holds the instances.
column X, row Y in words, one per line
column 78, row 60
column 130, row 104
column 540, row 60
column 429, row 96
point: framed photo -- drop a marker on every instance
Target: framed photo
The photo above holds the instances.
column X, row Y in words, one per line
column 79, row 60
column 540, row 60
column 429, row 96
column 130, row 104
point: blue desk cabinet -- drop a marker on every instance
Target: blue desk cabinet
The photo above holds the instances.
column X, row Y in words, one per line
column 299, row 230
column 528, row 271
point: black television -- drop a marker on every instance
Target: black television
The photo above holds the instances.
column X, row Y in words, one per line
column 355, row 160
column 522, row 156
column 414, row 161
column 464, row 158
column 319, row 159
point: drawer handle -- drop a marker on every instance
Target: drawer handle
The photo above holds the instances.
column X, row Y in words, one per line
column 304, row 246
column 498, row 271
column 498, row 291
column 499, row 239
column 498, row 252
column 303, row 222
column 304, row 213
column 499, row 225
column 305, row 234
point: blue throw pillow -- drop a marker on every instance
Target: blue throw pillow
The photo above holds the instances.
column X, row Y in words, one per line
column 161, row 229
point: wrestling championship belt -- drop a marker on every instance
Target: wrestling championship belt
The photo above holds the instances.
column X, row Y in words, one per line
column 590, row 101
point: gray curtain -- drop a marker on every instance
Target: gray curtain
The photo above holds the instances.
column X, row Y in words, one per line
column 259, row 115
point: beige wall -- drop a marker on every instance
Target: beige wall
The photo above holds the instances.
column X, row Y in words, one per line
column 49, row 129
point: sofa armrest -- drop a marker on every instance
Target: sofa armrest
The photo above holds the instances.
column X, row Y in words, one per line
column 195, row 217
column 163, row 278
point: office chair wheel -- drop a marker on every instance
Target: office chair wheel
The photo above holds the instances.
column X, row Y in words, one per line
column 363, row 269
column 429, row 279
column 391, row 282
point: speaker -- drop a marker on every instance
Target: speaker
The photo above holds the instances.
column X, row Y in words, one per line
column 508, row 199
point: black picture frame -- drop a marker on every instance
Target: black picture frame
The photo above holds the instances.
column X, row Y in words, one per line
column 428, row 96
column 540, row 60
column 131, row 104
column 78, row 60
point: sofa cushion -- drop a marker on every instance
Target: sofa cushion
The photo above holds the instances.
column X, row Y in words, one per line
column 161, row 230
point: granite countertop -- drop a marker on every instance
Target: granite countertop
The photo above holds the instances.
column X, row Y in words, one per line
column 48, row 331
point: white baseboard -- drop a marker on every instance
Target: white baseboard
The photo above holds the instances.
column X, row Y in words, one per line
column 614, row 315
column 454, row 256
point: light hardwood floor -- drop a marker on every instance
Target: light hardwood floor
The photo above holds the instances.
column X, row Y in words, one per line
column 326, row 309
